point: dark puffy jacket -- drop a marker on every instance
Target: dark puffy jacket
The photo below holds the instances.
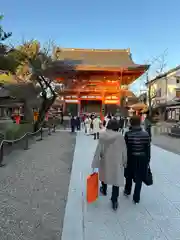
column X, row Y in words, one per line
column 138, row 153
column 138, row 143
column 73, row 122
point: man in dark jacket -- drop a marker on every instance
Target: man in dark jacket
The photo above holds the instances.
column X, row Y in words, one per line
column 147, row 125
column 138, row 154
column 73, row 124
column 78, row 123
column 121, row 123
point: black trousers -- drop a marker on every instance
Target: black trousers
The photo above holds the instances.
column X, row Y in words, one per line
column 137, row 189
column 115, row 191
column 96, row 135
column 72, row 129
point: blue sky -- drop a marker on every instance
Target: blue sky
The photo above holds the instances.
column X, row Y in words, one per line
column 146, row 27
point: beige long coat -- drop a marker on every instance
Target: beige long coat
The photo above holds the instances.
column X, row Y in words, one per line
column 110, row 158
column 96, row 125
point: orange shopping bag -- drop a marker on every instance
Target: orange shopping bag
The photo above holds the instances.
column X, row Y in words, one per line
column 92, row 187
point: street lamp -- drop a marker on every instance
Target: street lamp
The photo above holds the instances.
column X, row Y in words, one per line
column 126, row 106
column 126, row 101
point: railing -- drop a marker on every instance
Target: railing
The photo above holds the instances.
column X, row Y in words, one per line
column 26, row 138
column 168, row 130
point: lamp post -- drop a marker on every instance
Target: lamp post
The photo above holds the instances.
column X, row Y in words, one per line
column 126, row 101
column 126, row 106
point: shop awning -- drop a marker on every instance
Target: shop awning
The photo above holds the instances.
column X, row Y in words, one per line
column 138, row 106
column 145, row 110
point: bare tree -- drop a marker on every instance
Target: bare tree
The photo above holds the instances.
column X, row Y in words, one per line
column 157, row 67
column 43, row 70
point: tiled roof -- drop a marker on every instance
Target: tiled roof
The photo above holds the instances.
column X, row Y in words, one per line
column 97, row 57
column 163, row 75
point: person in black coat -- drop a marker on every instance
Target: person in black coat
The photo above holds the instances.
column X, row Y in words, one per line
column 147, row 125
column 73, row 124
column 138, row 157
column 121, row 123
column 78, row 123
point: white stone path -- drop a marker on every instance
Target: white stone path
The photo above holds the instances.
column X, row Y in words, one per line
column 156, row 217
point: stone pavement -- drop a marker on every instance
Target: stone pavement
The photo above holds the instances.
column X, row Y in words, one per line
column 156, row 217
column 167, row 142
column 34, row 188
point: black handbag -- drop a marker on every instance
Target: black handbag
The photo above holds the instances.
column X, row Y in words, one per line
column 148, row 180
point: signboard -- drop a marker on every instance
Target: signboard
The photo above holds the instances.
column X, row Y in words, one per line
column 111, row 97
column 159, row 101
column 71, row 97
column 124, row 87
column 71, row 101
column 91, row 97
column 111, row 102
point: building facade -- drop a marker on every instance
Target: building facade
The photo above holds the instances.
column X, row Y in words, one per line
column 102, row 79
column 165, row 93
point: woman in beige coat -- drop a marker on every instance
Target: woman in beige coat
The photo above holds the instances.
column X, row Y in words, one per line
column 110, row 158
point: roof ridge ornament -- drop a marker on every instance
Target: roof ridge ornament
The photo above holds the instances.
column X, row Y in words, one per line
column 96, row 49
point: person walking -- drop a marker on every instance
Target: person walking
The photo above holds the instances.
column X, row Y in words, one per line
column 73, row 124
column 147, row 125
column 138, row 157
column 83, row 117
column 96, row 127
column 78, row 123
column 106, row 120
column 110, row 158
column 91, row 123
column 87, row 125
column 121, row 124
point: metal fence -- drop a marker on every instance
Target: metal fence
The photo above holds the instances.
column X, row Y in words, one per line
column 7, row 146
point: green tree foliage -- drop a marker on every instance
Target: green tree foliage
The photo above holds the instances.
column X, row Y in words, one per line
column 7, row 61
column 32, row 60
column 3, row 35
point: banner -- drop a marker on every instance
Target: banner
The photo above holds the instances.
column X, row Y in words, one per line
column 112, row 102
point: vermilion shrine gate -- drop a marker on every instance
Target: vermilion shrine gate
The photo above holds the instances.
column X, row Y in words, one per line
column 102, row 79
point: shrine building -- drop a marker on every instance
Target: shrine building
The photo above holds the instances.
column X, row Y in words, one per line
column 102, row 80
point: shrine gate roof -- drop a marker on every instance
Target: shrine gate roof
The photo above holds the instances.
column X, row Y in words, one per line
column 99, row 57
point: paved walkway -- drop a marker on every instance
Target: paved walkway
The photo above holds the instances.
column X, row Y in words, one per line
column 169, row 143
column 156, row 217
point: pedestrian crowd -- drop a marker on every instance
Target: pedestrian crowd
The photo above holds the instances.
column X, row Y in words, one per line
column 123, row 158
column 123, row 152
